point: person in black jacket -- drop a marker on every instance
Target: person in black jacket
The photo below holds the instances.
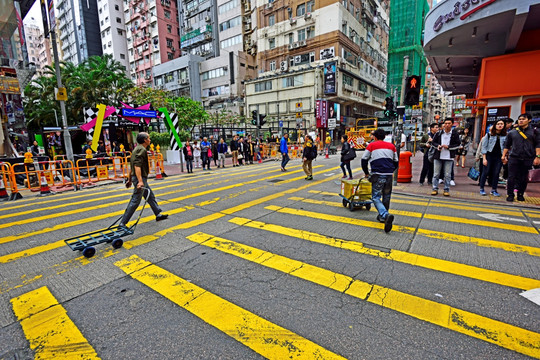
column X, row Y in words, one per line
column 346, row 157
column 308, row 156
column 446, row 143
column 188, row 155
column 234, row 150
column 521, row 151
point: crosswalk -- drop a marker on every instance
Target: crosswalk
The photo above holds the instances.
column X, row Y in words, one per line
column 280, row 267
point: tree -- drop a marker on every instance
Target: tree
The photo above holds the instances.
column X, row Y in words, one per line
column 141, row 95
column 190, row 112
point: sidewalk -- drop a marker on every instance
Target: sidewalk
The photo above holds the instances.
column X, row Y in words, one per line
column 465, row 188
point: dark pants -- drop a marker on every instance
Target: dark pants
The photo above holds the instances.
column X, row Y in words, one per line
column 285, row 160
column 136, row 200
column 492, row 169
column 381, row 188
column 189, row 165
column 427, row 170
column 205, row 160
column 518, row 171
column 346, row 164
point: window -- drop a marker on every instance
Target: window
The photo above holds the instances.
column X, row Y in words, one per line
column 263, row 86
column 347, row 80
column 300, row 9
column 229, row 6
column 301, row 34
column 167, row 14
column 120, row 32
column 169, row 78
column 311, row 32
column 118, row 20
column 231, row 41
column 362, row 86
column 122, row 56
column 169, row 28
column 350, row 57
column 170, row 56
column 272, row 65
column 310, row 6
column 215, row 73
column 291, row 38
column 351, row 7
column 106, row 19
column 289, row 81
column 116, row 7
column 100, row 10
column 169, row 42
column 344, row 27
column 271, row 20
column 230, row 23
column 272, row 43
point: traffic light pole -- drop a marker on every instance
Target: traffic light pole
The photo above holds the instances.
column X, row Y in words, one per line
column 400, row 118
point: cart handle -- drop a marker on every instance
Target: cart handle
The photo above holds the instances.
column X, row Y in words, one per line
column 140, row 213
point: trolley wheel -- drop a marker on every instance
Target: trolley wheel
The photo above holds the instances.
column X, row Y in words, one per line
column 89, row 252
column 351, row 206
column 345, row 203
column 368, row 207
column 117, row 244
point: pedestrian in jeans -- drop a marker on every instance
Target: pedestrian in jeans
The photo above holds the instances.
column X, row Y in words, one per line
column 492, row 149
column 234, row 150
column 382, row 159
column 309, row 153
column 205, row 146
column 425, row 145
column 521, row 151
column 139, row 179
column 345, row 157
column 284, row 149
column 221, row 150
column 188, row 155
column 446, row 143
column 464, row 147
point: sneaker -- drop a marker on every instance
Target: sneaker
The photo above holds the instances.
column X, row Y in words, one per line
column 446, row 193
column 421, row 184
column 310, row 177
column 344, row 176
column 380, row 219
column 520, row 197
column 510, row 198
column 482, row 192
column 495, row 193
column 452, row 183
column 435, row 192
column 388, row 223
column 350, row 177
column 160, row 217
column 441, row 181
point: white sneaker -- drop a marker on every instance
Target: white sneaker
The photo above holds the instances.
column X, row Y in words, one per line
column 452, row 183
column 441, row 181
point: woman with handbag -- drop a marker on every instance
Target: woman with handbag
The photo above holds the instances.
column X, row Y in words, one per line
column 347, row 154
column 465, row 140
column 492, row 149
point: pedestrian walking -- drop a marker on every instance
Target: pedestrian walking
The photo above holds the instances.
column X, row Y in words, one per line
column 521, row 151
column 188, row 156
column 309, row 153
column 234, row 150
column 139, row 179
column 492, row 149
column 196, row 154
column 425, row 145
column 214, row 151
column 249, row 151
column 206, row 153
column 241, row 151
column 221, row 150
column 284, row 150
column 463, row 149
column 382, row 159
column 446, row 142
column 346, row 156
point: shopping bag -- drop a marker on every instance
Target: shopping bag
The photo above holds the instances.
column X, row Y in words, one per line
column 534, row 175
column 473, row 174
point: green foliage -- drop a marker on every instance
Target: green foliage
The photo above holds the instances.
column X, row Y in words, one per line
column 225, row 117
column 143, row 95
column 161, row 139
column 190, row 112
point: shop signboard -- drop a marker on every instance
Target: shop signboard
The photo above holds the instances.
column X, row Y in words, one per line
column 494, row 114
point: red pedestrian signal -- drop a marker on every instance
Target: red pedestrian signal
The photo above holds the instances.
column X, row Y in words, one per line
column 412, row 90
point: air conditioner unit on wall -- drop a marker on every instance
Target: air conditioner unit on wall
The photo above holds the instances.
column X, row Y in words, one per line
column 269, row 5
column 292, row 21
column 302, row 43
column 296, row 45
column 283, row 65
column 207, row 19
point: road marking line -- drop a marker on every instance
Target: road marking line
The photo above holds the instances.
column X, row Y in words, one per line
column 534, row 251
column 427, row 262
column 496, row 332
column 262, row 336
column 48, row 328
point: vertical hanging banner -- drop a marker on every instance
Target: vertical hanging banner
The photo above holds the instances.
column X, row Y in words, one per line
column 99, row 124
column 172, row 127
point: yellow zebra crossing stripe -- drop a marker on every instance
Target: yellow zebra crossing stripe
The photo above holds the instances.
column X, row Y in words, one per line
column 267, row 339
column 534, row 251
column 496, row 332
column 48, row 328
column 427, row 262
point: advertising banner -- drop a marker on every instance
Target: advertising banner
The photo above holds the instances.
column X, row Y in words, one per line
column 330, row 78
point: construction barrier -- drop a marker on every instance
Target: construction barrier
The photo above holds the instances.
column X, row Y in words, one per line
column 90, row 171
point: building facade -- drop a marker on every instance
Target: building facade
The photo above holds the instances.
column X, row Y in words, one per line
column 319, row 61
column 113, row 30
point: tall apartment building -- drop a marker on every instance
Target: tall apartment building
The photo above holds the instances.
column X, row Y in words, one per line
column 78, row 27
column 37, row 47
column 320, row 60
column 113, row 30
column 152, row 36
column 406, row 38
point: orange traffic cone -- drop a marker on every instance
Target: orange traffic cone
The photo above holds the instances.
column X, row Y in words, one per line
column 326, row 152
column 44, row 188
column 158, row 173
column 3, row 193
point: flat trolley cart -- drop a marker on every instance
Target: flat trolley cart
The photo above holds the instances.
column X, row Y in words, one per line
column 356, row 193
column 113, row 234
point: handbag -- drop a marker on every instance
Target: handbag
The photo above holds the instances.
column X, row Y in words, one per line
column 209, row 153
column 431, row 154
column 534, row 176
column 473, row 173
column 240, row 156
column 351, row 154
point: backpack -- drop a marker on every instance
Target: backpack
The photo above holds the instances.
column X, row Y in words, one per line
column 314, row 152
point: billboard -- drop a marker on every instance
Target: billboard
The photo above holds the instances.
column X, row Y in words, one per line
column 330, row 78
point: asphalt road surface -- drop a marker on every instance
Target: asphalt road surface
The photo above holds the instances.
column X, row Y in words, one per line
column 258, row 263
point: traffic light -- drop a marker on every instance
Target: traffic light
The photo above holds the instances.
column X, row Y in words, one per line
column 389, row 104
column 254, row 117
column 261, row 119
column 412, row 90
